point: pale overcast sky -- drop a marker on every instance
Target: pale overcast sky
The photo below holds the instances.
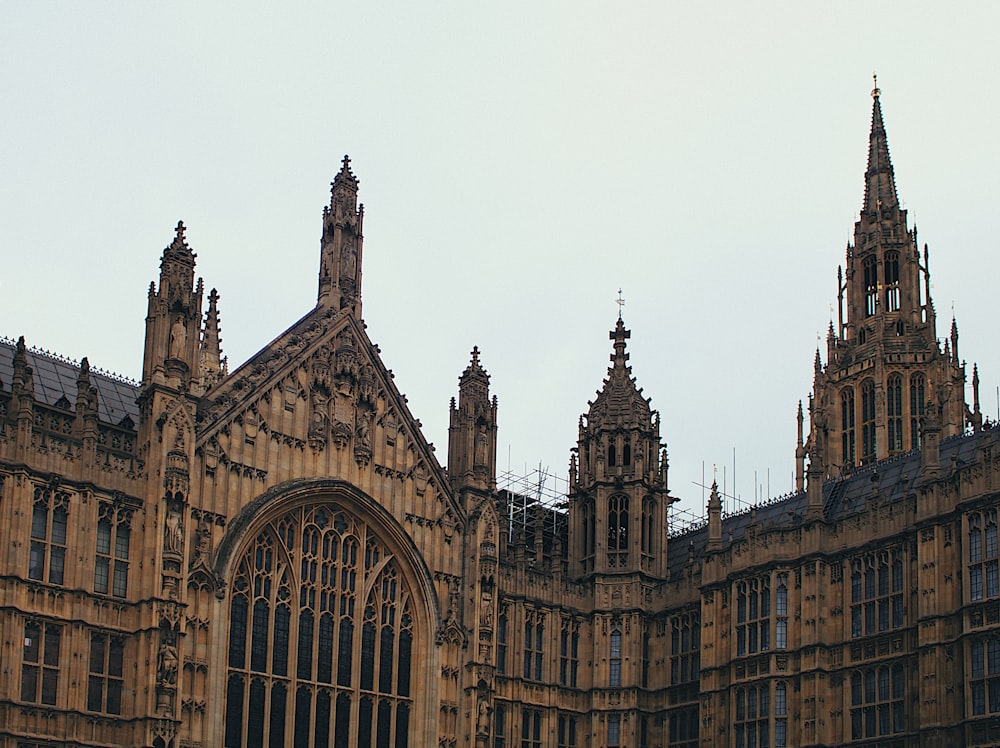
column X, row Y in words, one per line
column 519, row 162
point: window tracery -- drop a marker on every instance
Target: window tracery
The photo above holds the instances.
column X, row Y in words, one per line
column 335, row 655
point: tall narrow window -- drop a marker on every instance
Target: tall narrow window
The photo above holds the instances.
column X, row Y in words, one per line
column 894, row 412
column 877, row 696
column 500, row 725
column 589, row 534
column 618, row 531
column 984, row 675
column 753, row 613
column 531, row 728
column 615, row 659
column 614, row 730
column 780, row 715
column 644, row 677
column 502, row 623
column 984, row 573
column 569, row 650
column 847, row 426
column 648, row 531
column 781, row 613
column 918, row 405
column 40, row 662
column 868, row 450
column 566, row 733
column 113, row 539
column 534, row 632
column 49, row 517
column 876, row 592
column 870, row 267
column 106, row 680
column 317, row 595
column 891, row 281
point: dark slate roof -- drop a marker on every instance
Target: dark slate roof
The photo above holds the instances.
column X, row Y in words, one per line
column 895, row 478
column 56, row 377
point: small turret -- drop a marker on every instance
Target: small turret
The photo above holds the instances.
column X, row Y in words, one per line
column 472, row 433
column 714, row 518
column 340, row 247
column 173, row 319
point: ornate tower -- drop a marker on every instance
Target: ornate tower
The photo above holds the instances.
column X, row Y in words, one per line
column 340, row 247
column 472, row 433
column 618, row 493
column 885, row 367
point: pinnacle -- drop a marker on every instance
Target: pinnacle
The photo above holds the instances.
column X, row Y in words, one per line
column 345, row 177
column 880, row 180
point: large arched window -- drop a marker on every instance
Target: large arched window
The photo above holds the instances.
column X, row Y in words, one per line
column 894, row 411
column 321, row 637
column 868, row 450
column 618, row 530
column 847, row 426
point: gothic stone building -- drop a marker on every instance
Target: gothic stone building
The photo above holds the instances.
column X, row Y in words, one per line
column 274, row 556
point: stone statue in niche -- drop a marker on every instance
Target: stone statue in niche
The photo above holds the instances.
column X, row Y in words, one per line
column 483, row 717
column 202, row 545
column 178, row 338
column 166, row 664
column 482, row 444
column 173, row 532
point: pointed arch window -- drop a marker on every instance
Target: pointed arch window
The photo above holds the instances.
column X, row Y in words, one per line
column 868, row 450
column 618, row 531
column 894, row 412
column 984, row 555
column 870, row 269
column 615, row 659
column 848, row 436
column 918, row 404
column 303, row 669
column 891, row 275
column 648, row 533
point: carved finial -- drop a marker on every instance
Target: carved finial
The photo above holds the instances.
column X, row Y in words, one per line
column 620, row 302
column 181, row 228
column 475, row 355
column 875, row 91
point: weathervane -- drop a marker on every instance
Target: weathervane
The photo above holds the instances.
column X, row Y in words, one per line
column 620, row 302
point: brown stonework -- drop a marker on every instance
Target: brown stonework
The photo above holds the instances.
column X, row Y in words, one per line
column 274, row 555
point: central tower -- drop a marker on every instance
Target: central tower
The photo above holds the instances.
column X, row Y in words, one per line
column 618, row 479
column 887, row 380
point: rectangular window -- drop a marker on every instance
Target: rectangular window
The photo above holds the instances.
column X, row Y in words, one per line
column 685, row 648
column 984, row 683
column 531, row 729
column 752, row 717
column 500, row 726
column 753, row 605
column 614, row 730
column 684, row 727
column 106, row 680
column 113, row 540
column 877, row 696
column 502, row 642
column 534, row 633
column 566, row 733
column 49, row 520
column 984, row 555
column 876, row 592
column 569, row 652
column 40, row 662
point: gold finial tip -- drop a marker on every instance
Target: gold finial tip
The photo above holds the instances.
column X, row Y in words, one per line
column 875, row 91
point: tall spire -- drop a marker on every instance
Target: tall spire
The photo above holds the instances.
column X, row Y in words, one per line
column 213, row 366
column 880, row 180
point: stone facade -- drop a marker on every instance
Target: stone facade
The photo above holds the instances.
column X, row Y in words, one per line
column 274, row 556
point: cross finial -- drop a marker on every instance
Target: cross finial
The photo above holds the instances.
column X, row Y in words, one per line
column 875, row 91
column 620, row 302
column 475, row 355
column 346, row 163
column 180, row 230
